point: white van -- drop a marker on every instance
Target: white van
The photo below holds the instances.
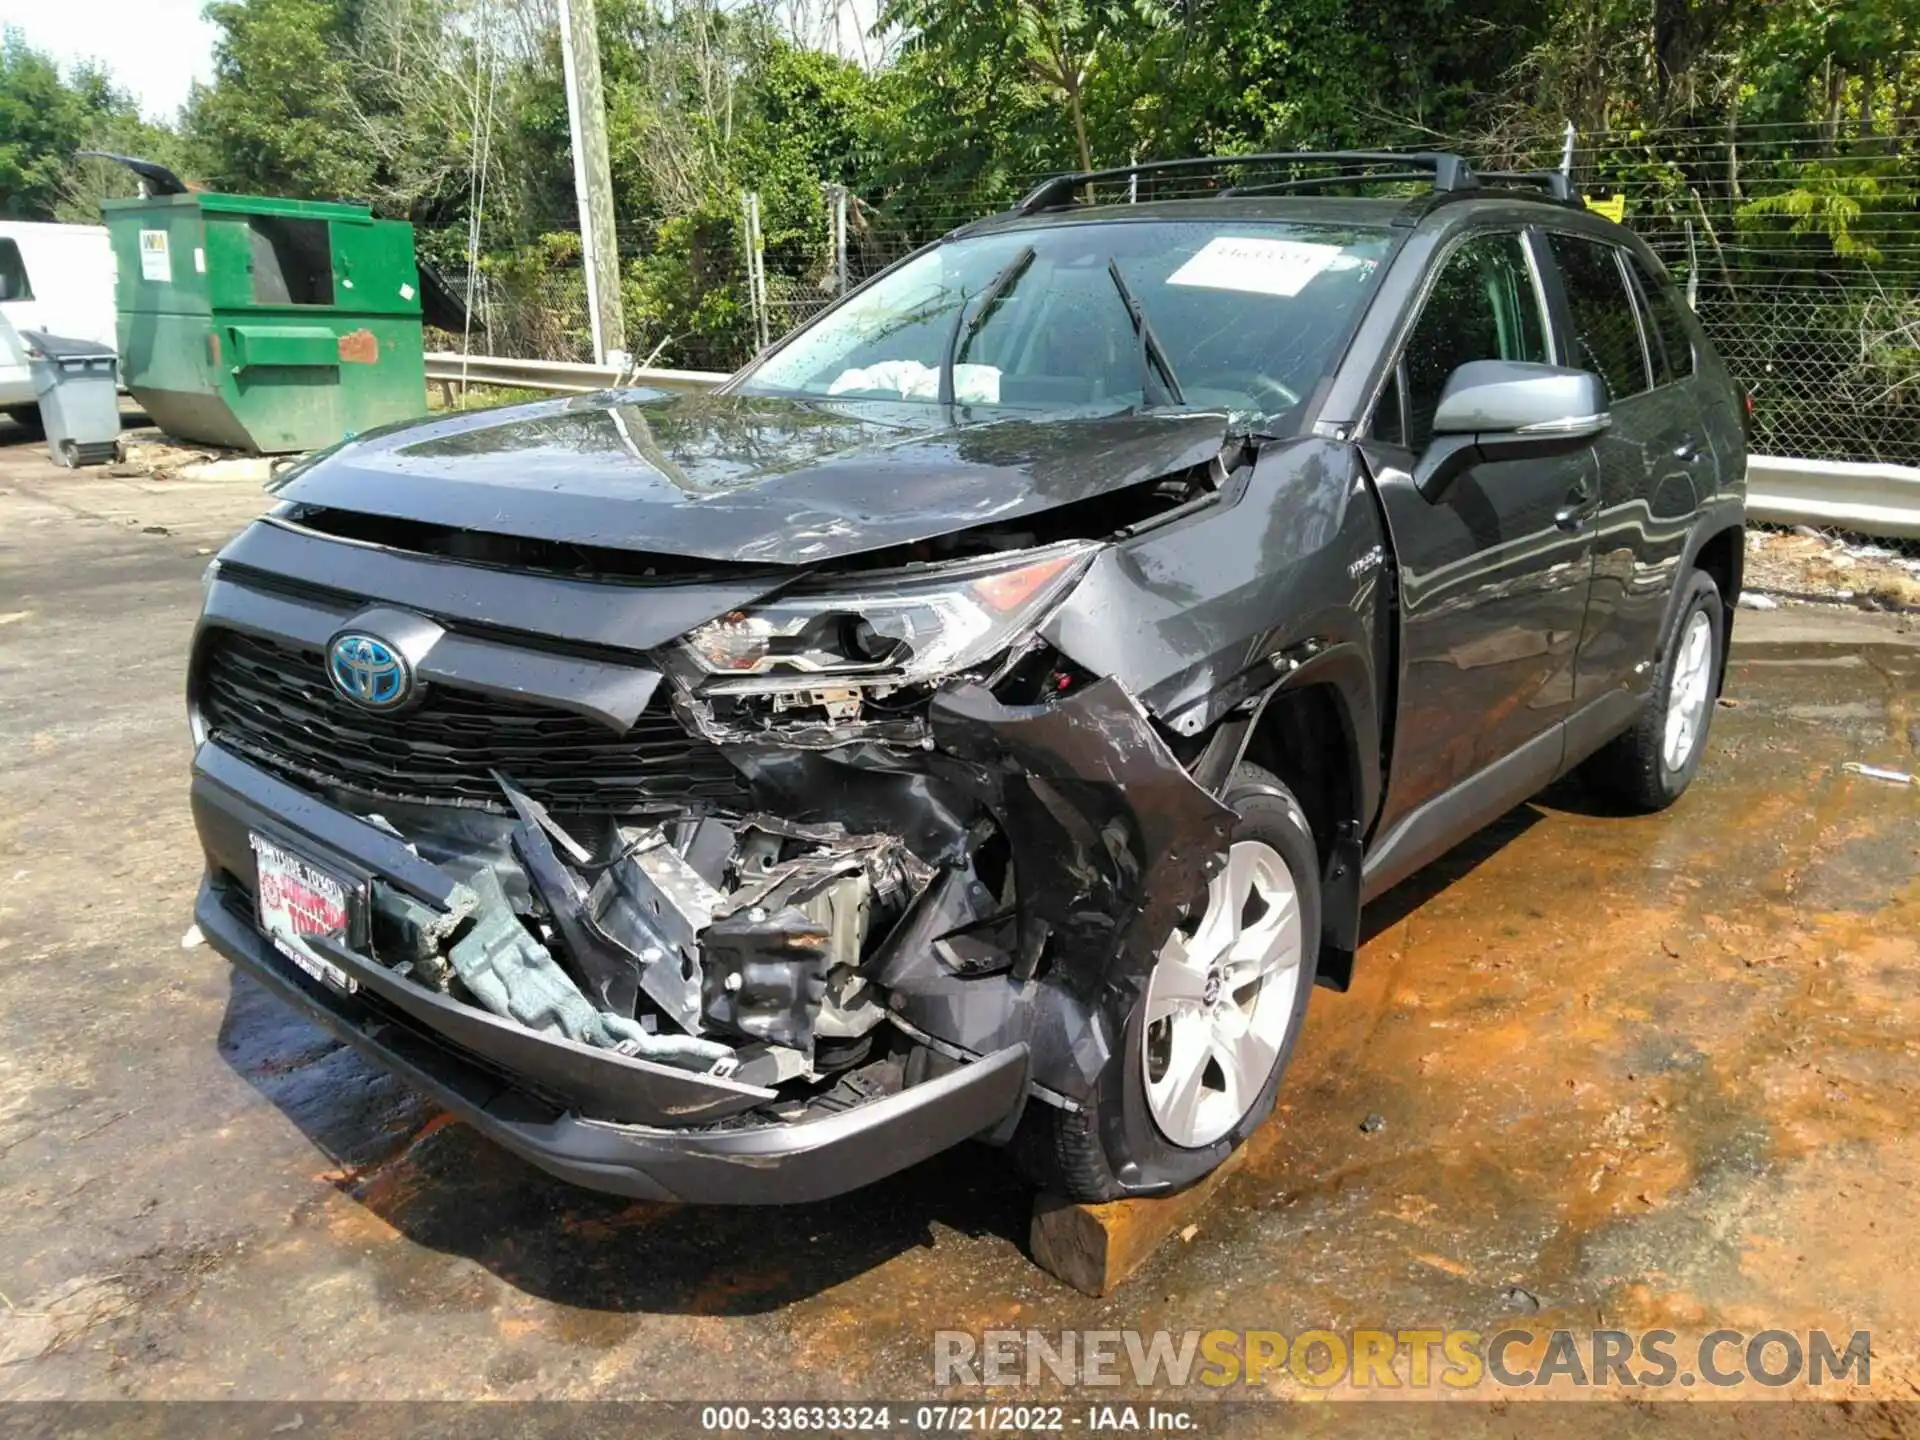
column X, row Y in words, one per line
column 55, row 278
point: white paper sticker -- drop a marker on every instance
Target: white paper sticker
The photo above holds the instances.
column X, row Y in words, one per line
column 406, row 292
column 199, row 261
column 156, row 263
column 1255, row 265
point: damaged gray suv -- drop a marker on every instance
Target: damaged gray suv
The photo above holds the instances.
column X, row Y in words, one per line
column 985, row 715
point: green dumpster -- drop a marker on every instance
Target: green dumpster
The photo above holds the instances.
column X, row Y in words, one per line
column 266, row 325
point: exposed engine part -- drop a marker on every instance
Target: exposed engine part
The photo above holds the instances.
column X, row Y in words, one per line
column 797, row 720
column 765, row 974
column 844, row 910
column 896, row 872
column 640, row 938
column 512, row 974
column 841, row 702
column 609, row 968
column 656, row 904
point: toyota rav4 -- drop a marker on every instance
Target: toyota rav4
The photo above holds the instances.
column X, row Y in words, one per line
column 985, row 715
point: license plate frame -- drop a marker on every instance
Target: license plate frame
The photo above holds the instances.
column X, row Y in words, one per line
column 296, row 896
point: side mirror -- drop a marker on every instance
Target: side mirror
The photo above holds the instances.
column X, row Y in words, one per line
column 1509, row 410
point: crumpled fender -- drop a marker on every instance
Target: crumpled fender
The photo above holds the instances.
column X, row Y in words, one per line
column 1111, row 840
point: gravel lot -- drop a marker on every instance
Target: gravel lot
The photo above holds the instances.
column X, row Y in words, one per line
column 1632, row 1071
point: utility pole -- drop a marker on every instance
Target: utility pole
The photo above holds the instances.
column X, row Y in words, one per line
column 592, row 177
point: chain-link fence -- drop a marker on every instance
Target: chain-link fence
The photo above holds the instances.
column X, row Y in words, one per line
column 1799, row 245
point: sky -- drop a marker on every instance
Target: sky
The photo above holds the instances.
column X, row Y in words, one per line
column 155, row 49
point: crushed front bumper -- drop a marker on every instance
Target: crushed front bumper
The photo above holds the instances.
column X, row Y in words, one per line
column 591, row 1117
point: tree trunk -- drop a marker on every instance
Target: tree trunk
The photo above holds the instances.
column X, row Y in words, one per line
column 1080, row 125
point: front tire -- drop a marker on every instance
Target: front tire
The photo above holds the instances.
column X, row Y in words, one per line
column 1205, row 1035
column 1649, row 767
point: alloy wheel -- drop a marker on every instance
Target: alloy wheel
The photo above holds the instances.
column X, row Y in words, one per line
column 1220, row 999
column 1688, row 692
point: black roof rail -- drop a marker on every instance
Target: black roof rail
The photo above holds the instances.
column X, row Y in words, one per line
column 1310, row 183
column 1557, row 183
column 1449, row 172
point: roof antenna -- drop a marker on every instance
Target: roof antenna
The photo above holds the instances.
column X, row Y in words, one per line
column 1566, row 152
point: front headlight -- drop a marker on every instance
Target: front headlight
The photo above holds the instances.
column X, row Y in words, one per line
column 944, row 619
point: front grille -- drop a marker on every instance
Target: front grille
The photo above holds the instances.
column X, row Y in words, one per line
column 271, row 702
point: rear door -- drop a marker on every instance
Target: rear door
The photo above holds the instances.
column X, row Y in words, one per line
column 1655, row 465
column 1492, row 575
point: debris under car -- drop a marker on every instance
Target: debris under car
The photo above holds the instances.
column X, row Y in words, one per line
column 971, row 721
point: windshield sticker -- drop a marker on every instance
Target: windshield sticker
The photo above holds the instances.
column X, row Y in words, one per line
column 911, row 380
column 1256, row 265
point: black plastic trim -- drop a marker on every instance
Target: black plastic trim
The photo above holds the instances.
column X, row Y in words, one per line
column 1430, row 830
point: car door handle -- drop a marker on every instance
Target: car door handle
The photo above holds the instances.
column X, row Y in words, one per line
column 1580, row 507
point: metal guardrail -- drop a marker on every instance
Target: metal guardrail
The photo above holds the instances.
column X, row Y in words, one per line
column 562, row 376
column 1873, row 499
column 1835, row 495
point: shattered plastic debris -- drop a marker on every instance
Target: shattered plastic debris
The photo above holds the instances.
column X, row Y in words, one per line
column 1875, row 772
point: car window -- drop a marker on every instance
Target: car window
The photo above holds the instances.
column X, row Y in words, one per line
column 1482, row 307
column 1669, row 319
column 13, row 273
column 1606, row 337
column 1655, row 347
column 1389, row 421
column 1251, row 314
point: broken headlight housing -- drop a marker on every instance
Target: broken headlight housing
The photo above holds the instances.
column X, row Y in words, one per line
column 914, row 627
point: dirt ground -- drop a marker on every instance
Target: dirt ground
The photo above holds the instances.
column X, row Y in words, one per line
column 1800, row 565
column 1630, row 1072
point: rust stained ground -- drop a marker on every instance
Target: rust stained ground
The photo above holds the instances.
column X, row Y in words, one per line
column 1651, row 1071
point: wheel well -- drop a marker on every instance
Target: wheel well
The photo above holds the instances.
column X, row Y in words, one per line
column 1305, row 739
column 1723, row 558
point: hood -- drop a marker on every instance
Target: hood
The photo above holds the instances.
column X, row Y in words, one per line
column 743, row 479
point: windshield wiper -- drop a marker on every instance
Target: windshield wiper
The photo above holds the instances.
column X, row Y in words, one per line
column 1152, row 356
column 964, row 330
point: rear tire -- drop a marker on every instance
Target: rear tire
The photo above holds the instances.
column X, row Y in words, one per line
column 1649, row 766
column 27, row 417
column 1204, row 1036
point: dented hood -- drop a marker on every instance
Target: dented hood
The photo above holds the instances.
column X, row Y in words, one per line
column 742, row 478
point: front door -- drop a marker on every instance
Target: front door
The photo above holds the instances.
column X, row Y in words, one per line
column 1493, row 575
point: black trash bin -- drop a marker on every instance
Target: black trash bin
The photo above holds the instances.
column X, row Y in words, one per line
column 78, row 385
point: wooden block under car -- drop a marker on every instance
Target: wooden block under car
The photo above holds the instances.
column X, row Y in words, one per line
column 1095, row 1247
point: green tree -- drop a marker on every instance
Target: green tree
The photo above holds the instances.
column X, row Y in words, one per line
column 41, row 123
column 45, row 119
column 275, row 120
column 1057, row 48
